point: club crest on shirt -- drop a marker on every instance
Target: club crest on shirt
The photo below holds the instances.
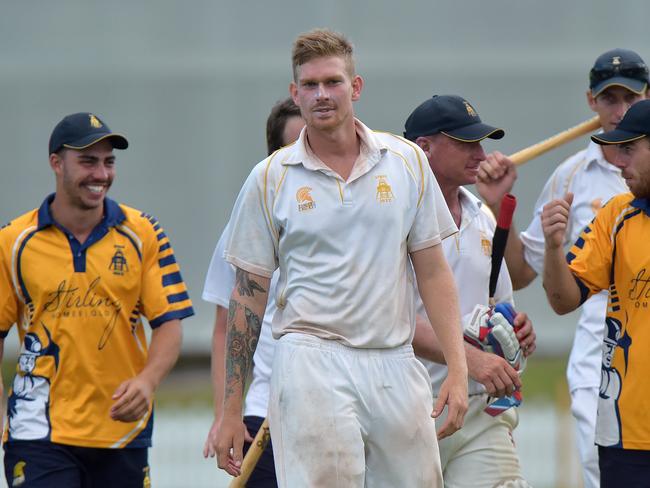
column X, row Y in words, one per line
column 486, row 244
column 596, row 204
column 118, row 262
column 305, row 201
column 384, row 191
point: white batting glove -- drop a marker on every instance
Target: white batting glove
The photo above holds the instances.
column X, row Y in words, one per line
column 490, row 330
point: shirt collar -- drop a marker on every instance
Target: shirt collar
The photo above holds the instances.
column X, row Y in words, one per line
column 113, row 214
column 372, row 150
column 469, row 200
column 642, row 203
column 594, row 156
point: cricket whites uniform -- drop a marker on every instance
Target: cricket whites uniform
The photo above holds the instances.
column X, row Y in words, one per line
column 350, row 405
column 78, row 310
column 219, row 283
column 612, row 254
column 482, row 453
column 593, row 181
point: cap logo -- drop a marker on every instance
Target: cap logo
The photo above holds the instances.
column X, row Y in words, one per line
column 94, row 122
column 616, row 60
column 471, row 112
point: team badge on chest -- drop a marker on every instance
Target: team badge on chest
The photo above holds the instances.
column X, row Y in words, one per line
column 305, row 201
column 384, row 191
column 486, row 244
column 118, row 262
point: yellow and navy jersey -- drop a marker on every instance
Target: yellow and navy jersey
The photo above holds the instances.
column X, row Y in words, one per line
column 78, row 310
column 612, row 254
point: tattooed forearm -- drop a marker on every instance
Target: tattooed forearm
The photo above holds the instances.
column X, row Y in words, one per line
column 240, row 346
column 245, row 285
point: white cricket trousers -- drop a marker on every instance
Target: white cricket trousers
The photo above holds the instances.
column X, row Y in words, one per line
column 584, row 407
column 482, row 454
column 346, row 417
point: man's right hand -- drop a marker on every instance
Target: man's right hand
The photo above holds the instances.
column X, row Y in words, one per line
column 555, row 220
column 210, row 446
column 496, row 177
column 493, row 372
column 230, row 444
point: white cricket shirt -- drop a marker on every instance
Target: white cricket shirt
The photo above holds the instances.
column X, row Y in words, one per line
column 593, row 181
column 341, row 246
column 469, row 254
column 219, row 283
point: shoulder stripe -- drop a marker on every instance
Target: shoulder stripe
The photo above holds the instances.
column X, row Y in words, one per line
column 284, row 173
column 623, row 215
column 160, row 236
column 131, row 236
column 575, row 169
column 164, row 247
column 417, row 155
column 265, row 199
column 16, row 251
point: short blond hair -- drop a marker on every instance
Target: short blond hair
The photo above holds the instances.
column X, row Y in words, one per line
column 321, row 43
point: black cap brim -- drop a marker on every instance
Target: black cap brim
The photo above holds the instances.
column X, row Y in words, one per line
column 636, row 86
column 474, row 133
column 118, row 141
column 616, row 136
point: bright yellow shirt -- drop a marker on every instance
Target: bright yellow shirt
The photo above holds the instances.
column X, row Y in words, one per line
column 78, row 309
column 613, row 253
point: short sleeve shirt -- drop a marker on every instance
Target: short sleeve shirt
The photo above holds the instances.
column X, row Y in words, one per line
column 469, row 254
column 78, row 309
column 593, row 181
column 612, row 254
column 341, row 246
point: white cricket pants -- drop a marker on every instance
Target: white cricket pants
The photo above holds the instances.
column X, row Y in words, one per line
column 584, row 407
column 482, row 453
column 345, row 417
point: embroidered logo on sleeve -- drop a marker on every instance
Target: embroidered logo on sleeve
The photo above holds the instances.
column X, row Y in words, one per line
column 305, row 201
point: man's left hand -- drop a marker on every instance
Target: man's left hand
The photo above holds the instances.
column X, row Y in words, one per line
column 132, row 400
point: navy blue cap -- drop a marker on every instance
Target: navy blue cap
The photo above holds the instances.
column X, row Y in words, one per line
column 635, row 125
column 619, row 67
column 450, row 115
column 82, row 130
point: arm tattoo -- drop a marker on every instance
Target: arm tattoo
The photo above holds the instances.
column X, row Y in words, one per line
column 245, row 285
column 240, row 347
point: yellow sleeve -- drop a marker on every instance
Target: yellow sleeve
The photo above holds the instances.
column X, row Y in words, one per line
column 590, row 257
column 164, row 295
column 8, row 298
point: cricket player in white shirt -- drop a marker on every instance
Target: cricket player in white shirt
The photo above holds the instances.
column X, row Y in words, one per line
column 340, row 213
column 618, row 79
column 482, row 454
column 283, row 127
